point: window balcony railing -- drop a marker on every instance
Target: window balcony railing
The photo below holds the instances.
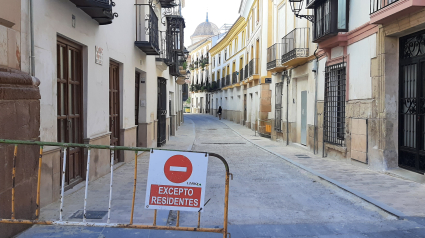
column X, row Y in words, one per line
column 234, row 77
column 228, row 80
column 162, row 48
column 253, row 67
column 295, row 45
column 385, row 11
column 376, row 5
column 99, row 10
column 241, row 75
column 274, row 56
column 147, row 33
column 246, row 72
column 223, row 82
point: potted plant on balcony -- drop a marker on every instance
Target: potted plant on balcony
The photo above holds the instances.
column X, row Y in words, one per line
column 182, row 69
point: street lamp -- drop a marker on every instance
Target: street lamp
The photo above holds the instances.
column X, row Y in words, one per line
column 296, row 6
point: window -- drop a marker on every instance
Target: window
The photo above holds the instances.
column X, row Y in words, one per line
column 334, row 113
column 331, row 17
column 278, row 107
column 219, row 59
column 225, row 54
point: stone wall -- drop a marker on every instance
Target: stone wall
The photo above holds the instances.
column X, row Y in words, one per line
column 20, row 120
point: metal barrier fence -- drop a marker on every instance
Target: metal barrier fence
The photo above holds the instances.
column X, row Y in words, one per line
column 61, row 222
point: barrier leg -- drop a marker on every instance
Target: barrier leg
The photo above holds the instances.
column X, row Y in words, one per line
column 63, row 183
column 87, row 185
column 178, row 219
column 134, row 188
column 15, row 153
column 110, row 186
column 40, row 160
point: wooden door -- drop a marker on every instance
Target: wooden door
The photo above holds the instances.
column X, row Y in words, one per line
column 114, row 105
column 69, row 107
column 136, row 104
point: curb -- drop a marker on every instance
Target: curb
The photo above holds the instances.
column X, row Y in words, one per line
column 368, row 199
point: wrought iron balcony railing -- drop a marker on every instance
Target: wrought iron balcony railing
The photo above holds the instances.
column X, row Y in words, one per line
column 253, row 67
column 228, row 80
column 147, row 33
column 241, row 74
column 163, row 48
column 295, row 44
column 273, row 56
column 234, row 77
column 99, row 10
column 376, row 5
column 246, row 71
column 223, row 82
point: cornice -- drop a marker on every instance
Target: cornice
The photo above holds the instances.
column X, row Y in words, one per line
column 200, row 46
column 238, row 27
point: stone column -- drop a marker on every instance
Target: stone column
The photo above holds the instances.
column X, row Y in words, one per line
column 19, row 120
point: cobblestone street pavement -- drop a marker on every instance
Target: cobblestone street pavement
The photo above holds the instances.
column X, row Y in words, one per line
column 269, row 196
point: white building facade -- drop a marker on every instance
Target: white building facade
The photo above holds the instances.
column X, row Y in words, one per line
column 107, row 78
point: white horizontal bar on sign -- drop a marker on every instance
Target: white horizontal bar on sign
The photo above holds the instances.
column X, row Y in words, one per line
column 178, row 169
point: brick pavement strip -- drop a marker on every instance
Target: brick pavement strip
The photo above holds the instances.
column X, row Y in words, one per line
column 398, row 196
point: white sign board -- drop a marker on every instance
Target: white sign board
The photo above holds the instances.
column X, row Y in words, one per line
column 176, row 181
column 99, row 55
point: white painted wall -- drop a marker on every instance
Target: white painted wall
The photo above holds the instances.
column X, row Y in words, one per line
column 360, row 81
column 358, row 13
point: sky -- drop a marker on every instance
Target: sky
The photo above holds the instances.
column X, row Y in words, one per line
column 220, row 12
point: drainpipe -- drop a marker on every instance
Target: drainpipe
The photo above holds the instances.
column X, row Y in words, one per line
column 32, row 39
column 315, row 70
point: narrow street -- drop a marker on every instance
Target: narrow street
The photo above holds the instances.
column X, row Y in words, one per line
column 269, row 197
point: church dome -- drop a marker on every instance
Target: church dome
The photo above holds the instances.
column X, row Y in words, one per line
column 206, row 29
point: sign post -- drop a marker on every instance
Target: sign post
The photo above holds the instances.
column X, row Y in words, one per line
column 176, row 181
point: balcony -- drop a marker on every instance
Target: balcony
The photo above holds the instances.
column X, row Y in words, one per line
column 384, row 11
column 253, row 68
column 228, row 80
column 177, row 67
column 234, row 77
column 162, row 57
column 246, row 72
column 274, row 62
column 295, row 47
column 223, row 82
column 147, row 34
column 99, row 10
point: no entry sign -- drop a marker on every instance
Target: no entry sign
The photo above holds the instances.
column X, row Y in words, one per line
column 176, row 181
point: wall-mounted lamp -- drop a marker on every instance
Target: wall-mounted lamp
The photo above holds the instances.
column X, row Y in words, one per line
column 296, row 6
column 73, row 21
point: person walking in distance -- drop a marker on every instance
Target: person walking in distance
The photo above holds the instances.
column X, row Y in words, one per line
column 219, row 112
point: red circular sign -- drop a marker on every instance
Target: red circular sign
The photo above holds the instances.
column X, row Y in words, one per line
column 178, row 169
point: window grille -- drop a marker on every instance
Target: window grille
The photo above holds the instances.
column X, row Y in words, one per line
column 278, row 107
column 334, row 108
